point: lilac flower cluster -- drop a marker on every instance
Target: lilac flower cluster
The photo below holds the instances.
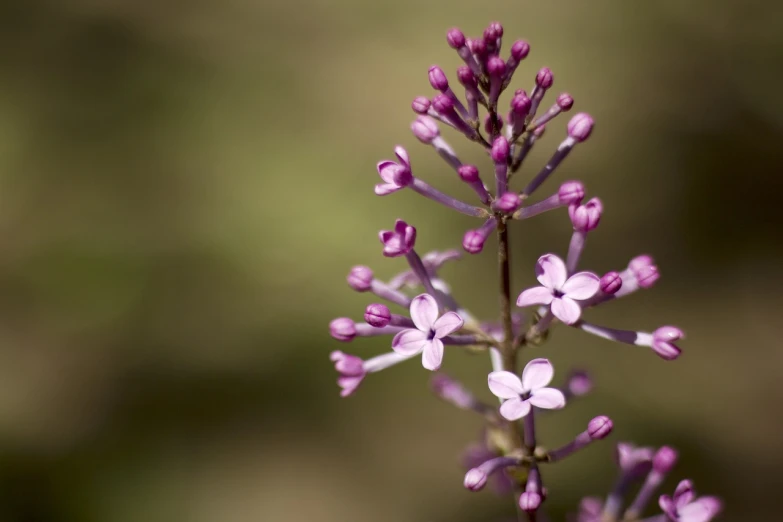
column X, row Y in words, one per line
column 509, row 450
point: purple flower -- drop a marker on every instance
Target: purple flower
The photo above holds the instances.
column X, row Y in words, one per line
column 682, row 507
column 522, row 394
column 432, row 262
column 399, row 241
column 632, row 460
column 395, row 175
column 351, row 370
column 663, row 342
column 426, row 339
column 586, row 217
column 559, row 291
column 590, row 509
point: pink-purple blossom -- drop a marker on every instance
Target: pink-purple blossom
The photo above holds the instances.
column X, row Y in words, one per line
column 430, row 329
column 395, row 175
column 399, row 241
column 683, row 506
column 558, row 290
column 520, row 395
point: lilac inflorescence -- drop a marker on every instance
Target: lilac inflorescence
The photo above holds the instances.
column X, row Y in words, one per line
column 427, row 320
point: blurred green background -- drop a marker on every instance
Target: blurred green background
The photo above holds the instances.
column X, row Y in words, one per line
column 185, row 184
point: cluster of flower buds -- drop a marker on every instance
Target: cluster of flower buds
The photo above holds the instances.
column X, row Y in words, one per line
column 431, row 319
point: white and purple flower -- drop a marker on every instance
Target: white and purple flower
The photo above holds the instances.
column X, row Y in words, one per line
column 559, row 291
column 520, row 395
column 683, row 506
column 430, row 329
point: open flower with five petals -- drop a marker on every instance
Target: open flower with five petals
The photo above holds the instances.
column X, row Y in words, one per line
column 395, row 175
column 522, row 394
column 558, row 290
column 430, row 329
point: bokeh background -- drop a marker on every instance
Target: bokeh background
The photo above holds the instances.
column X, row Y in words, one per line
column 185, row 184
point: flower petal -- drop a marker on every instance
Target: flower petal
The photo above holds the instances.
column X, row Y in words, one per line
column 432, row 356
column 537, row 374
column 538, row 295
column 382, row 166
column 424, row 312
column 409, row 342
column 582, row 285
column 446, row 324
column 547, row 398
column 551, row 271
column 566, row 309
column 700, row 510
column 684, row 494
column 402, row 154
column 667, row 505
column 381, row 189
column 514, row 409
column 505, row 385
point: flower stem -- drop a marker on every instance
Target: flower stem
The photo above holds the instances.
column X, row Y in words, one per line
column 509, row 353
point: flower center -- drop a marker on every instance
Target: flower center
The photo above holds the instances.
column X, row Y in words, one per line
column 431, row 335
column 558, row 293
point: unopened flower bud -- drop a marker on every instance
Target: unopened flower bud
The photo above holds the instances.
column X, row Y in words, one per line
column 610, row 283
column 496, row 66
column 425, row 129
column 565, row 102
column 475, row 479
column 421, row 104
column 468, row 173
column 544, row 78
column 500, row 150
column 508, row 202
column 377, row 315
column 529, row 501
column 580, row 127
column 586, row 217
column 360, row 278
column 520, row 50
column 571, row 192
column 438, row 78
column 579, row 384
column 343, row 329
column 600, row 427
column 466, row 76
column 665, row 459
column 455, row 38
column 663, row 342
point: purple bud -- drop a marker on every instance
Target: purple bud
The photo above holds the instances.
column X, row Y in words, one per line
column 468, row 173
column 475, row 479
column 565, row 102
column 493, row 31
column 586, row 217
column 421, row 104
column 455, row 38
column 647, row 276
column 509, row 202
column 579, row 383
column 399, row 241
column 343, row 329
column 520, row 91
column 438, row 78
column 529, row 501
column 473, row 241
column 571, row 193
column 425, row 129
column 544, row 78
column 466, row 76
column 477, row 46
column 442, row 103
column 600, row 427
column 663, row 342
column 665, row 459
column 520, row 50
column 360, row 278
column 610, row 283
column 500, row 150
column 377, row 315
column 639, row 262
column 496, row 66
column 581, row 126
column 520, row 105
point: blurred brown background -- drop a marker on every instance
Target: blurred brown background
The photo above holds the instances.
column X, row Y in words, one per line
column 185, row 184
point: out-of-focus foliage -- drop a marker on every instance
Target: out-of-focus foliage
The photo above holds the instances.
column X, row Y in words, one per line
column 183, row 186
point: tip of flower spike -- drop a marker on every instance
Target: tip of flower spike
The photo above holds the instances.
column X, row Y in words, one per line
column 600, row 427
column 425, row 129
column 438, row 78
column 500, row 150
column 544, row 78
column 571, row 192
column 475, row 479
column 586, row 217
column 663, row 342
column 468, row 173
column 565, row 102
column 473, row 241
column 665, row 459
column 343, row 329
column 580, row 127
column 610, row 283
column 360, row 278
column 421, row 104
column 466, row 76
column 455, row 38
column 496, row 66
column 529, row 501
column 477, row 46
column 520, row 50
column 493, row 31
column 508, row 202
column 520, row 104
column 377, row 315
